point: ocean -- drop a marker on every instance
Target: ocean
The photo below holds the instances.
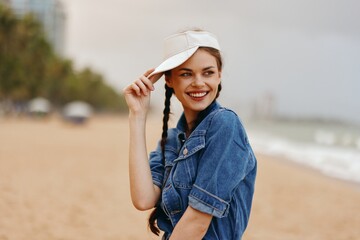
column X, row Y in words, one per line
column 333, row 148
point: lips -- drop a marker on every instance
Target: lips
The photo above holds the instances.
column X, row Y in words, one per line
column 197, row 94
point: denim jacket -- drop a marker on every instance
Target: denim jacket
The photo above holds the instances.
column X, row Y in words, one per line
column 213, row 171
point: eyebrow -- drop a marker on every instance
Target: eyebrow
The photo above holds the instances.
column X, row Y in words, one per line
column 190, row 70
column 207, row 68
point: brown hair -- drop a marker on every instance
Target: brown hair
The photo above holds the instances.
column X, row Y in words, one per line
column 168, row 93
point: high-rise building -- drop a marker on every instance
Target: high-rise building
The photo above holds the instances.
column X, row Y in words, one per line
column 51, row 14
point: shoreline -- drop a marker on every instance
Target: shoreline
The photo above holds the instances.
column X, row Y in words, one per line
column 288, row 161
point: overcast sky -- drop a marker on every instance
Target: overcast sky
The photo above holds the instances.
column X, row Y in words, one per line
column 303, row 53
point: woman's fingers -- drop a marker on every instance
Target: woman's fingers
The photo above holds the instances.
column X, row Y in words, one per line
column 151, row 77
column 148, row 72
column 140, row 86
column 132, row 89
column 154, row 78
column 136, row 88
column 147, row 83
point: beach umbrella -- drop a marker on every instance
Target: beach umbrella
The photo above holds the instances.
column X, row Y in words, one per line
column 39, row 106
column 77, row 111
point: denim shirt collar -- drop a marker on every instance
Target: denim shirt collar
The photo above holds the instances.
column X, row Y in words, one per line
column 181, row 125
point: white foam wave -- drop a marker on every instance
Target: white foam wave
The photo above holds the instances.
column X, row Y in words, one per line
column 336, row 161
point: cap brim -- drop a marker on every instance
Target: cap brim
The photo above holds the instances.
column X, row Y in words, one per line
column 171, row 63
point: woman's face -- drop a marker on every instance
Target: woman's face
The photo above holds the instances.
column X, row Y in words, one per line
column 195, row 83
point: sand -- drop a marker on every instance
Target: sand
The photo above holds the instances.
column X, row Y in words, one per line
column 59, row 181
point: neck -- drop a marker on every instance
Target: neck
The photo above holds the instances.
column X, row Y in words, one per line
column 190, row 127
column 191, row 121
column 191, row 118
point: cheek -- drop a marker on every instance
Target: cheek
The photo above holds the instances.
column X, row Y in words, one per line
column 216, row 82
column 179, row 86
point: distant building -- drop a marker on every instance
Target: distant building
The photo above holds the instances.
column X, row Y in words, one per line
column 51, row 14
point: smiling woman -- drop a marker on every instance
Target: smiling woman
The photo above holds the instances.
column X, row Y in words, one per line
column 200, row 179
column 195, row 83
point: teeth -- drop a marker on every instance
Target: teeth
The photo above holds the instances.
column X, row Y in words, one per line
column 197, row 95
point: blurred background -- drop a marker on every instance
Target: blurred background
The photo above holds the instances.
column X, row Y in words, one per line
column 291, row 73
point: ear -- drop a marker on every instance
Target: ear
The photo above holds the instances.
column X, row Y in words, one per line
column 220, row 73
column 168, row 81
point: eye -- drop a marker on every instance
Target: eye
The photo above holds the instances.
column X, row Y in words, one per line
column 209, row 73
column 185, row 74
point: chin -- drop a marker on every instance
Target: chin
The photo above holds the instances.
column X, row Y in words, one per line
column 201, row 106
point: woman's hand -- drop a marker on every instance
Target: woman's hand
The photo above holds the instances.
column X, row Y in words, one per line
column 137, row 94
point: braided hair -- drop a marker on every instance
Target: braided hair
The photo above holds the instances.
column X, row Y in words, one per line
column 168, row 93
column 155, row 213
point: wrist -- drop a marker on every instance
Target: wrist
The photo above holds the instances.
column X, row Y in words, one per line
column 137, row 122
column 137, row 116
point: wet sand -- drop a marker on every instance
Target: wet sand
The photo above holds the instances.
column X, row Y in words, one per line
column 295, row 202
column 59, row 181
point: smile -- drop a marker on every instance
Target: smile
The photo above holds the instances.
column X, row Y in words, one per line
column 197, row 94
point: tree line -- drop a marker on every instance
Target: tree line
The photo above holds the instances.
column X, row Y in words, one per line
column 29, row 68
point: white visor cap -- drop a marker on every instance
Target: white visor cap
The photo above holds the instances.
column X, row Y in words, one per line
column 180, row 47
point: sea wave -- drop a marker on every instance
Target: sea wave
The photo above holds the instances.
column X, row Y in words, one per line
column 333, row 160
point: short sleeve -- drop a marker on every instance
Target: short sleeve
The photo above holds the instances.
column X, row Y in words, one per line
column 224, row 163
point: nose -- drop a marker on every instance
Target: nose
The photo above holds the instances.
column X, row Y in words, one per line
column 198, row 81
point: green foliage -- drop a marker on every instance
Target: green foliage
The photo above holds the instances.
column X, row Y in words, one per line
column 30, row 68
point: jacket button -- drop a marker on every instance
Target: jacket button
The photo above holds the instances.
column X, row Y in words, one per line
column 185, row 151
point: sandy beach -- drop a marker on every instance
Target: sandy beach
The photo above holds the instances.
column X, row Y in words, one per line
column 59, row 181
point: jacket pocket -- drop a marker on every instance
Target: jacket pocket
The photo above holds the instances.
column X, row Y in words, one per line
column 185, row 166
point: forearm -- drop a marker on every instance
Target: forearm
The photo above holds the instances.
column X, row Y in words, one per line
column 192, row 225
column 143, row 192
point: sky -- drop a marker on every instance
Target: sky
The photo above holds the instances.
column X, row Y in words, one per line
column 304, row 55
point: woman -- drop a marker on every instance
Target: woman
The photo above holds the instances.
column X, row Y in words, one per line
column 200, row 179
